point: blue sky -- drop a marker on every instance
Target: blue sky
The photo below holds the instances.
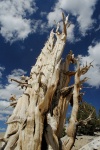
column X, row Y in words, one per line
column 25, row 27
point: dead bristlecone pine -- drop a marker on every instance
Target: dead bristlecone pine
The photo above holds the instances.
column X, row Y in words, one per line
column 39, row 115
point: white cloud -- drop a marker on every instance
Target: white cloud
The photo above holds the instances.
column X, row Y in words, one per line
column 5, row 109
column 55, row 15
column 8, row 89
column 2, row 129
column 81, row 9
column 14, row 21
column 40, row 26
column 2, row 118
column 1, row 70
column 11, row 87
column 16, row 73
column 43, row 13
column 70, row 33
column 1, row 86
column 98, row 28
column 93, row 73
column 0, row 74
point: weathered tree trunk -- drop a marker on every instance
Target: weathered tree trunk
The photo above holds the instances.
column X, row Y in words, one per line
column 39, row 115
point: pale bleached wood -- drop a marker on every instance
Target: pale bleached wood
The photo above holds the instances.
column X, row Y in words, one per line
column 72, row 127
column 39, row 114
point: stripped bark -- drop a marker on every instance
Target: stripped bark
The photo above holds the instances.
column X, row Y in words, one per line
column 40, row 113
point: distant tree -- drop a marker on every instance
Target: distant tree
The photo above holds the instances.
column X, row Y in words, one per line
column 98, row 121
column 99, row 114
column 84, row 110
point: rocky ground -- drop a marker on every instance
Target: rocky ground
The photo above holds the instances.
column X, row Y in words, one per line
column 83, row 140
column 80, row 141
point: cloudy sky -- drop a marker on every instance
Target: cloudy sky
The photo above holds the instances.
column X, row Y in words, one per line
column 25, row 27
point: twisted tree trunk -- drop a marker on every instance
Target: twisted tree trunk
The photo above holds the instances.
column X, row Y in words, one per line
column 39, row 115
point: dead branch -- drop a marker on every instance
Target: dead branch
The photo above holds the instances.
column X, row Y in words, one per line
column 84, row 122
column 85, row 68
column 22, row 84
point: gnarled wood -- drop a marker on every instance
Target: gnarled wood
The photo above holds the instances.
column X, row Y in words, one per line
column 39, row 114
